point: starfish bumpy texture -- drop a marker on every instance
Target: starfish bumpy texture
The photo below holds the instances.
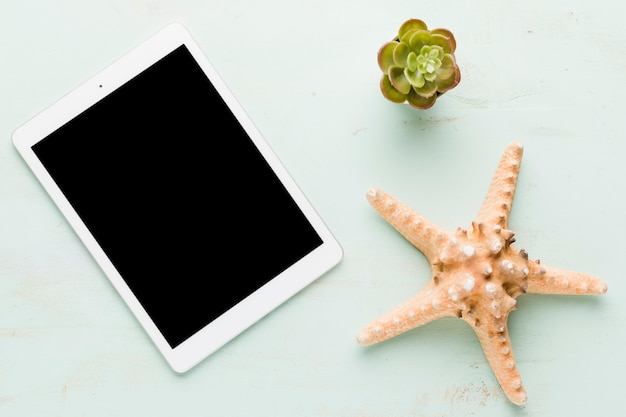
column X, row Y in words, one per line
column 476, row 274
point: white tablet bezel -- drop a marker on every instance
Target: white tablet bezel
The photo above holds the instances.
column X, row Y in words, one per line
column 251, row 309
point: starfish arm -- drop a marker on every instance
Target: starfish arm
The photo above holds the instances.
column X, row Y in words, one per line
column 544, row 279
column 496, row 207
column 496, row 345
column 420, row 309
column 421, row 232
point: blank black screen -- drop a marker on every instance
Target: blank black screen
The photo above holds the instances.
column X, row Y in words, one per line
column 177, row 195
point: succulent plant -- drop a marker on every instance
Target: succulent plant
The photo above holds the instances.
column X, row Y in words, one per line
column 418, row 65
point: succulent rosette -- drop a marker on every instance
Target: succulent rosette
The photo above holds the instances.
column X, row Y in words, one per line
column 418, row 65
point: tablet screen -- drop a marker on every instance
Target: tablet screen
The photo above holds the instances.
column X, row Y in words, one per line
column 177, row 195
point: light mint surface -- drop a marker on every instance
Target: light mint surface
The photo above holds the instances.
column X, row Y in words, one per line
column 551, row 74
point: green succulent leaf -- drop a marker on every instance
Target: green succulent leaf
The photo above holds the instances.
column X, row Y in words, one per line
column 443, row 42
column 389, row 92
column 447, row 68
column 432, row 76
column 415, row 78
column 420, row 102
column 448, row 35
column 400, row 54
column 385, row 56
column 409, row 25
column 427, row 90
column 398, row 79
column 450, row 83
column 419, row 39
column 412, row 62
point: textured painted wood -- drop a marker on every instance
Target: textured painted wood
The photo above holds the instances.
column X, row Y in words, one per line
column 549, row 74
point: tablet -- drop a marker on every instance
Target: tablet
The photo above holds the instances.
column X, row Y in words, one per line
column 177, row 196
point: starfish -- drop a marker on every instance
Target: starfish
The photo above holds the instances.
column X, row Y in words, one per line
column 477, row 274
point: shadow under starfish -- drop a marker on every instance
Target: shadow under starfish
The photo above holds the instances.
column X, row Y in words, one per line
column 476, row 274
